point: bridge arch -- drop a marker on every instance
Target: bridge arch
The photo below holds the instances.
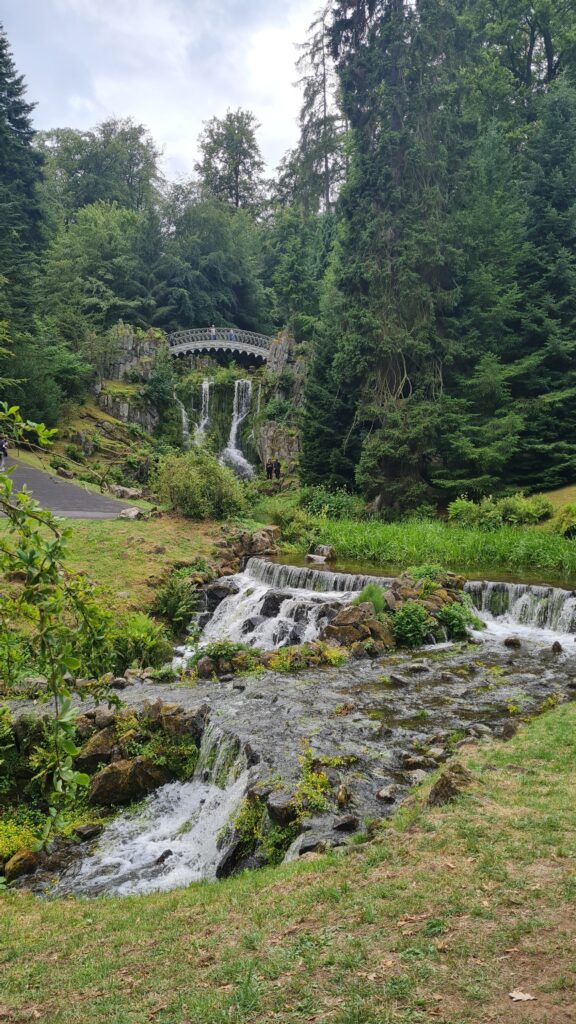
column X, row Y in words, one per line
column 225, row 340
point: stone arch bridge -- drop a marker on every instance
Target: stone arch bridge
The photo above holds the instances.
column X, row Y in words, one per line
column 203, row 340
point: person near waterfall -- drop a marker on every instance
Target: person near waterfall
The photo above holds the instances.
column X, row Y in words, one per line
column 213, row 335
column 269, row 469
column 277, row 468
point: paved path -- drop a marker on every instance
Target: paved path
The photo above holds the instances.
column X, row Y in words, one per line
column 63, row 498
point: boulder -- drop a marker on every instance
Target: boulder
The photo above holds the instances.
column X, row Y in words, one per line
column 65, row 473
column 97, row 750
column 131, row 513
column 281, row 807
column 205, row 667
column 216, row 592
column 128, row 493
column 326, row 551
column 354, row 614
column 24, row 862
column 272, row 603
column 180, row 722
column 451, row 783
column 389, row 794
column 347, row 823
column 316, row 559
column 124, row 781
column 87, row 832
column 103, row 717
column 513, row 641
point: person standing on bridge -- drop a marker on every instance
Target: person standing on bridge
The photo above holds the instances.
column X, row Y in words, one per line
column 231, row 334
column 213, row 333
column 3, row 453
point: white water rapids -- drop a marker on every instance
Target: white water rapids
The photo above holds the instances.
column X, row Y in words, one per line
column 173, row 837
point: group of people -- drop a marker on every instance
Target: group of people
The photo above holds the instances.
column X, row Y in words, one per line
column 230, row 336
column 272, row 469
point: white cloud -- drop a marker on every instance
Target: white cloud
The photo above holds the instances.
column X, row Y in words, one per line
column 170, row 64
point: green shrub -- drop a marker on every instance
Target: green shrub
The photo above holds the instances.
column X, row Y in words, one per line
column 457, row 619
column 177, row 598
column 373, row 593
column 140, row 642
column 74, row 453
column 491, row 513
column 197, row 486
column 296, row 527
column 565, row 521
column 418, row 573
column 16, row 836
column 277, row 409
column 413, row 626
column 338, row 504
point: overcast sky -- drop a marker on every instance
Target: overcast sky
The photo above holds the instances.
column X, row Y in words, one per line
column 170, row 64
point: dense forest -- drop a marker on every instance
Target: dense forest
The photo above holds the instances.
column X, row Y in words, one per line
column 419, row 242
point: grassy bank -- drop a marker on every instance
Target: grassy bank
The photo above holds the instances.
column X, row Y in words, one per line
column 128, row 559
column 413, row 543
column 439, row 921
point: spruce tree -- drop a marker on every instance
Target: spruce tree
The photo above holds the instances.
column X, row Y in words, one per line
column 21, row 219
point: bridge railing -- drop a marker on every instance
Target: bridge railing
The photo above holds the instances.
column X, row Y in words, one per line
column 218, row 335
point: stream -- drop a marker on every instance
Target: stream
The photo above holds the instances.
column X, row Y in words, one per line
column 387, row 721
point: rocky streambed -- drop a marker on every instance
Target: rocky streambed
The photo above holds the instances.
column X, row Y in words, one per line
column 294, row 763
column 235, row 768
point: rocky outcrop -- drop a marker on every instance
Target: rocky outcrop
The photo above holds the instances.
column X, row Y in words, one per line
column 99, row 749
column 356, row 623
column 233, row 550
column 129, row 409
column 133, row 357
column 124, row 781
column 278, row 441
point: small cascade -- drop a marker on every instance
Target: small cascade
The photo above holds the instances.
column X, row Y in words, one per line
column 204, row 412
column 524, row 604
column 173, row 837
column 305, row 578
column 232, row 455
column 185, row 423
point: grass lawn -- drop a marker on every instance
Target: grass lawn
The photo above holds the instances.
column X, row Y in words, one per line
column 127, row 559
column 562, row 496
column 438, row 921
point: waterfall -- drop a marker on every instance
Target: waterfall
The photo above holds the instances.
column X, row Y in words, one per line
column 276, row 605
column 204, row 411
column 186, row 819
column 232, row 455
column 185, row 423
column 524, row 604
column 305, row 578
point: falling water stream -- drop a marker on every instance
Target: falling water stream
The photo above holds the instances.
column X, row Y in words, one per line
column 204, row 411
column 232, row 455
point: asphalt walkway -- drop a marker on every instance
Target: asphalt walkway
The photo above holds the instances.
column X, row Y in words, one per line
column 64, row 498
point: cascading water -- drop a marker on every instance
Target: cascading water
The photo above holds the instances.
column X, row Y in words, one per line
column 274, row 605
column 185, row 423
column 524, row 605
column 232, row 455
column 173, row 837
column 204, row 412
